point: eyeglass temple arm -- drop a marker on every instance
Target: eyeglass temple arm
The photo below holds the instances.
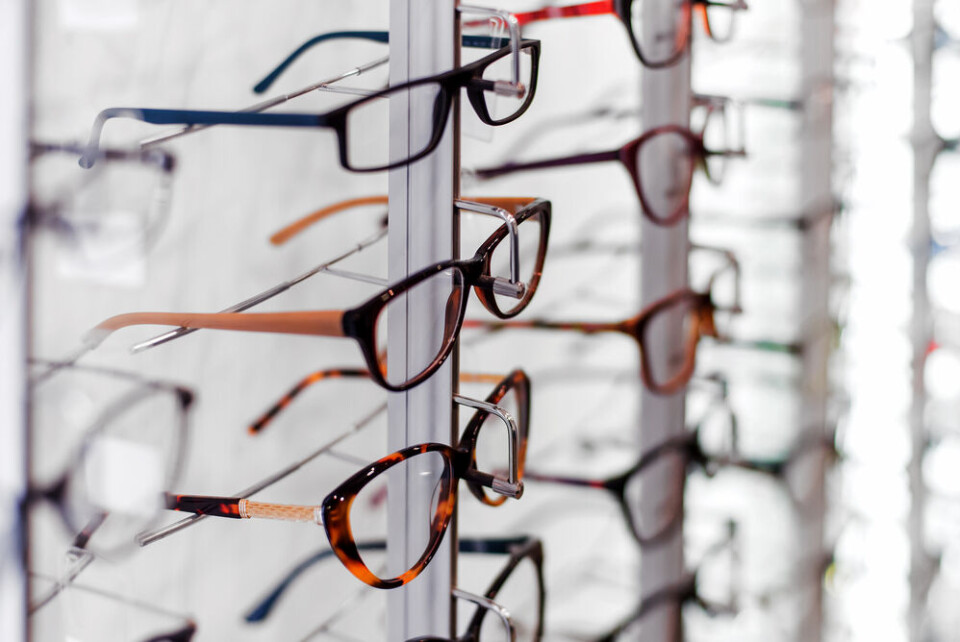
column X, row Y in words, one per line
column 283, row 235
column 269, row 293
column 597, row 8
column 327, row 323
column 288, row 232
column 512, row 486
column 149, row 537
column 374, row 36
column 325, row 84
column 582, row 159
column 242, row 508
column 479, row 42
column 314, row 377
column 192, row 117
column 587, row 328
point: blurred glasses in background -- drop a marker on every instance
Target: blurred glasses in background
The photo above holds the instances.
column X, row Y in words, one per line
column 111, row 485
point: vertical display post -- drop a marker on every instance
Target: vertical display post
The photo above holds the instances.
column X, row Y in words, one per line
column 816, row 186
column 663, row 265
column 423, row 41
column 925, row 148
column 14, row 67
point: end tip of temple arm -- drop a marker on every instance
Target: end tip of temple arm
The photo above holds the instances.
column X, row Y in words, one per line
column 93, row 337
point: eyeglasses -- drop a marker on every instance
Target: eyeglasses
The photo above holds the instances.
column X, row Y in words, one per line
column 512, row 393
column 685, row 591
column 442, row 285
column 131, row 452
column 664, row 200
column 524, row 587
column 673, row 460
column 362, row 126
column 653, row 48
column 108, row 216
column 429, row 470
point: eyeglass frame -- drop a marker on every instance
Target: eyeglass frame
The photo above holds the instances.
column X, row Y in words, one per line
column 467, row 77
column 359, row 322
column 55, row 491
column 628, row 156
column 333, row 512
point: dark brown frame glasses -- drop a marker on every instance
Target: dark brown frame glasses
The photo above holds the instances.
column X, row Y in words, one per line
column 446, row 280
column 663, row 202
column 516, row 385
column 333, row 513
column 432, row 98
column 697, row 308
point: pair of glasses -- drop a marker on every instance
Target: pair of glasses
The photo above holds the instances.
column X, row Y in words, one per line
column 429, row 470
column 130, row 452
column 363, row 126
column 518, row 586
column 662, row 41
column 685, row 315
column 664, row 199
column 673, row 460
column 108, row 216
column 440, row 286
column 511, row 393
column 686, row 591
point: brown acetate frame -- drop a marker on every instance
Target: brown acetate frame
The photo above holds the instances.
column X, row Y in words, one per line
column 703, row 325
column 334, row 511
column 359, row 323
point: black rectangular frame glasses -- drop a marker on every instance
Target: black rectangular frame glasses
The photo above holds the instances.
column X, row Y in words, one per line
column 349, row 120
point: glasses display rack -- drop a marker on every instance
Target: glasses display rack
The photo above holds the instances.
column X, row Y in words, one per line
column 663, row 269
column 816, row 183
column 926, row 145
column 14, row 69
column 423, row 41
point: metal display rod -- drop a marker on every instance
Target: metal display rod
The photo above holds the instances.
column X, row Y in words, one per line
column 663, row 265
column 14, row 20
column 816, row 183
column 926, row 144
column 423, row 230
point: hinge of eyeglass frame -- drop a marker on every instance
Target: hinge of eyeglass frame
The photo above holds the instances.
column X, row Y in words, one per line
column 514, row 287
column 512, row 486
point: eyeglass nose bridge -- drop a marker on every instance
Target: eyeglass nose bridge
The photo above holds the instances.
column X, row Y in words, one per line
column 512, row 486
column 514, row 287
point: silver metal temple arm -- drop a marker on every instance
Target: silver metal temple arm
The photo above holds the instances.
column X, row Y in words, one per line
column 273, row 102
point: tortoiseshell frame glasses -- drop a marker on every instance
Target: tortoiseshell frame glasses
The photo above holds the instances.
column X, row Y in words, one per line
column 516, row 384
column 333, row 513
column 361, row 322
